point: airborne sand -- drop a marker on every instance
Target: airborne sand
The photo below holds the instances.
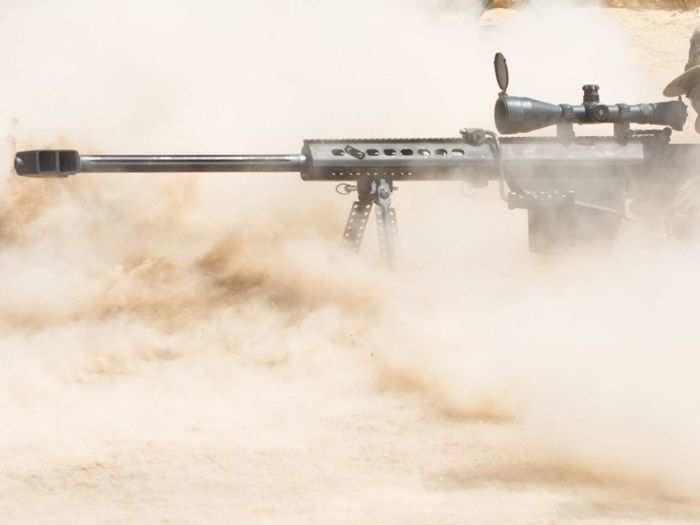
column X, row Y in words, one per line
column 183, row 349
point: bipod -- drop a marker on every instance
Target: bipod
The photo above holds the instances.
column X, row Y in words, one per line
column 371, row 191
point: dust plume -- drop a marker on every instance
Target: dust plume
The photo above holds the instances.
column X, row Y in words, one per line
column 193, row 348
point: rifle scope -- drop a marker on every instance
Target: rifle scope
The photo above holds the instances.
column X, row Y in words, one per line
column 522, row 115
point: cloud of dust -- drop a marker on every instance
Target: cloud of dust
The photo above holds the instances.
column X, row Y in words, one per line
column 589, row 356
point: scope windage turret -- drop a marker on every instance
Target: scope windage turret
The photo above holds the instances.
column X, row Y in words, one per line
column 521, row 115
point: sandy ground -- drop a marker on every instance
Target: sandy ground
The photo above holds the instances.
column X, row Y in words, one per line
column 182, row 349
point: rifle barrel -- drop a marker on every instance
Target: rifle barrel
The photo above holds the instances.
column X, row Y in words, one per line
column 61, row 163
column 349, row 159
column 191, row 163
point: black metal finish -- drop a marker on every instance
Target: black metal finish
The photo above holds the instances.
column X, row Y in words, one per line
column 62, row 163
column 47, row 163
column 522, row 115
column 191, row 163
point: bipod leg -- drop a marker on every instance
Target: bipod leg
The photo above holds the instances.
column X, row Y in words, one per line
column 359, row 215
column 387, row 226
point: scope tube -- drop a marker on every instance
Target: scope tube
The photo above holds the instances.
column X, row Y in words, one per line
column 522, row 115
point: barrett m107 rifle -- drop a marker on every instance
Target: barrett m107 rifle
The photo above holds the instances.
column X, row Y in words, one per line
column 573, row 188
